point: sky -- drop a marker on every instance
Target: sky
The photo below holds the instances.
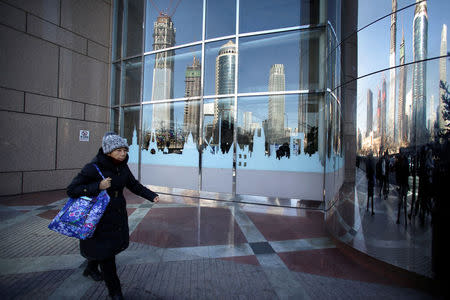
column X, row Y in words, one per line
column 374, row 40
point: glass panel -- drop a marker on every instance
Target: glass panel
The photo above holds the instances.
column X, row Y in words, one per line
column 369, row 11
column 286, row 52
column 334, row 170
column 220, row 18
column 134, row 20
column 176, row 23
column 281, row 137
column 118, row 20
column 417, row 31
column 173, row 74
column 115, row 120
column 333, row 60
column 217, row 155
column 169, row 145
column 267, row 14
column 413, row 118
column 132, row 84
column 116, row 76
column 130, row 131
column 220, row 65
column 334, row 17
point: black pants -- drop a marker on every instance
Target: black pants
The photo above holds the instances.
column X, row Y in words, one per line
column 109, row 270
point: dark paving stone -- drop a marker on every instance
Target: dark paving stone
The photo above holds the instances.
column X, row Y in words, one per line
column 261, row 248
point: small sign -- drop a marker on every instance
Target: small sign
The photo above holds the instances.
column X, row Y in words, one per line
column 84, row 135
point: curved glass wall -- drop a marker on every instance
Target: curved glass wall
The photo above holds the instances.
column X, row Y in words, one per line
column 401, row 134
column 231, row 97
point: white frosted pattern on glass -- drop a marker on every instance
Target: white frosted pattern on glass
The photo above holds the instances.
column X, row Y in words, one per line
column 254, row 160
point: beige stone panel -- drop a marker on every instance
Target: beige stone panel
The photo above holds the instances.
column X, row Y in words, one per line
column 47, row 180
column 98, row 51
column 53, row 107
column 10, row 183
column 83, row 78
column 89, row 18
column 27, row 142
column 96, row 113
column 28, row 63
column 46, row 9
column 72, row 153
column 55, row 34
column 12, row 16
column 11, row 100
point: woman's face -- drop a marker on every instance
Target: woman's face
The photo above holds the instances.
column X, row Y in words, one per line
column 119, row 154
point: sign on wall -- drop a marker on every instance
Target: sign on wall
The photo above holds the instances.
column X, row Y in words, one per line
column 84, row 135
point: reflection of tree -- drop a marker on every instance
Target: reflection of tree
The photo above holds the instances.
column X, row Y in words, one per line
column 444, row 133
column 312, row 138
column 226, row 135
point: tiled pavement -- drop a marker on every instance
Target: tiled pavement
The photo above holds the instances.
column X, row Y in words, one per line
column 191, row 248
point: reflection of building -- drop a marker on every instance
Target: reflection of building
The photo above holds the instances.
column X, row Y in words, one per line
column 192, row 89
column 369, row 112
column 163, row 37
column 391, row 124
column 442, row 76
column 379, row 113
column 225, row 84
column 431, row 116
column 420, row 37
column 276, row 104
column 401, row 117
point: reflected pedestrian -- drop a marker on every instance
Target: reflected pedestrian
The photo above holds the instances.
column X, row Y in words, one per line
column 401, row 177
column 370, row 175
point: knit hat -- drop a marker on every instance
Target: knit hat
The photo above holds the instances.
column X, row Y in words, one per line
column 111, row 141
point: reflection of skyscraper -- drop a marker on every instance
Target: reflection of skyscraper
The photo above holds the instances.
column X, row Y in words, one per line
column 225, row 84
column 391, row 113
column 276, row 103
column 431, row 117
column 420, row 37
column 369, row 112
column 163, row 37
column 192, row 89
column 247, row 121
column 442, row 76
column 379, row 113
column 401, row 128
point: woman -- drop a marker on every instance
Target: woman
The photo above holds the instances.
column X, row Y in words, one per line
column 111, row 235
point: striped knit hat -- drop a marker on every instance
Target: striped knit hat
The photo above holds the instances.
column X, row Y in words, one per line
column 111, row 141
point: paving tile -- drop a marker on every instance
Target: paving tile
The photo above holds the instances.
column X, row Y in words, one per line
column 45, row 198
column 278, row 227
column 188, row 226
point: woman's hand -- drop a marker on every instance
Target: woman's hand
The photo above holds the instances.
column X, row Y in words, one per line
column 156, row 200
column 105, row 184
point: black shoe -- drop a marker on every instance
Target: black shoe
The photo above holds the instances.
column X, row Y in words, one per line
column 95, row 274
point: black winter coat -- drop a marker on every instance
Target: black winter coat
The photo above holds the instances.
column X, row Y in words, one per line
column 111, row 235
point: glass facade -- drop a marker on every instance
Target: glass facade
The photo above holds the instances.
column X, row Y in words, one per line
column 292, row 102
column 395, row 210
column 230, row 97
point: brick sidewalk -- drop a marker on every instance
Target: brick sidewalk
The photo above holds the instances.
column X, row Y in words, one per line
column 189, row 248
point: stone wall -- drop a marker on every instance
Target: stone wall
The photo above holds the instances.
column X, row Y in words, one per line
column 54, row 82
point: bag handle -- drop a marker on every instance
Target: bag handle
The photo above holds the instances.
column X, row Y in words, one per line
column 99, row 171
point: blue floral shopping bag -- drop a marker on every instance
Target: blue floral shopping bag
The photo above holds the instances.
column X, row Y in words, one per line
column 79, row 217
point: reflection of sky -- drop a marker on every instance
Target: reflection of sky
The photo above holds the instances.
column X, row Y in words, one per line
column 374, row 41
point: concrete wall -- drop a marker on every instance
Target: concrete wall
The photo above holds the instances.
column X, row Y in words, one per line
column 54, row 82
